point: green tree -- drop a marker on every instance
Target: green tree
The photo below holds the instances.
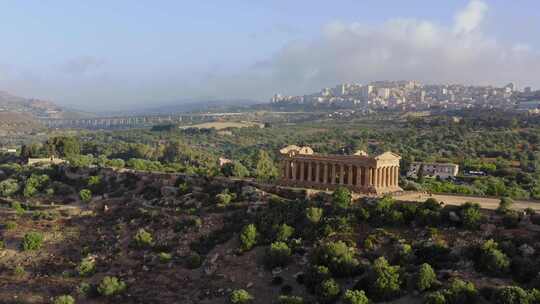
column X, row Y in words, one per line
column 355, row 297
column 314, row 214
column 512, row 295
column 279, row 254
column 492, row 260
column 436, row 297
column 505, row 204
column 143, row 238
column 426, row 277
column 64, row 299
column 338, row 257
column 471, row 215
column 111, row 286
column 32, row 241
column 265, row 169
column 235, row 169
column 461, row 292
column 85, row 195
column 387, row 281
column 248, row 237
column 284, row 232
column 9, row 187
column 240, row 296
column 329, row 291
column 342, row 198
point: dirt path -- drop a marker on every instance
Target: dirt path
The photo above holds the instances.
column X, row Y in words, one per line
column 485, row 202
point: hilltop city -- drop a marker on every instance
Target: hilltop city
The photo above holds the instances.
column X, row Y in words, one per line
column 414, row 96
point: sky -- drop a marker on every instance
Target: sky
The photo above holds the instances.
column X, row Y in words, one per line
column 117, row 55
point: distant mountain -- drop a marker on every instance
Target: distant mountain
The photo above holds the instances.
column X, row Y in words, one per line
column 188, row 106
column 35, row 108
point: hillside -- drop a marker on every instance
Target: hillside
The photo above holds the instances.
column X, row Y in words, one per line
column 141, row 240
column 36, row 108
column 14, row 124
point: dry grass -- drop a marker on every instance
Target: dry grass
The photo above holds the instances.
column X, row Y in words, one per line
column 219, row 125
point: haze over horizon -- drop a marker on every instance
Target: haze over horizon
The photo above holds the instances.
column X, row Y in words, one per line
column 104, row 55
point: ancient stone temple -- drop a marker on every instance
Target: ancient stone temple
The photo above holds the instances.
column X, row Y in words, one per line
column 301, row 167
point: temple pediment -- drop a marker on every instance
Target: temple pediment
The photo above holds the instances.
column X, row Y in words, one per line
column 388, row 156
column 293, row 149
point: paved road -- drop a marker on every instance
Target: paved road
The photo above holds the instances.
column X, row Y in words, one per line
column 485, row 202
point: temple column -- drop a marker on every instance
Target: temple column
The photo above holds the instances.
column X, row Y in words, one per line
column 317, row 173
column 293, row 167
column 369, row 176
column 341, row 174
column 301, row 177
column 385, row 177
column 359, row 176
column 363, row 176
column 350, row 182
column 310, row 172
column 325, row 175
column 332, row 174
column 397, row 175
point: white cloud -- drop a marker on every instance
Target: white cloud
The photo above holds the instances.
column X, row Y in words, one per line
column 396, row 49
column 470, row 18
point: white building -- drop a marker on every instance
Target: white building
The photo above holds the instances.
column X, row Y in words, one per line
column 433, row 170
column 365, row 91
column 383, row 93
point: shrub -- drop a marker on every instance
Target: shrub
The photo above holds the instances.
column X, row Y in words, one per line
column 87, row 266
column 435, row 298
column 240, row 296
column 32, row 241
column 110, row 286
column 19, row 210
column 64, row 299
column 315, row 275
column 165, row 257
column 10, row 225
column 426, row 277
column 534, row 295
column 342, row 198
column 386, row 283
column 248, row 237
column 19, row 271
column 9, row 187
column 314, row 215
column 512, row 295
column 290, row 300
column 194, row 261
column 284, row 232
column 493, row 260
column 143, row 238
column 504, row 205
column 329, row 291
column 355, row 297
column 223, row 199
column 183, row 188
column 279, row 254
column 471, row 216
column 85, row 195
column 461, row 292
column 338, row 257
column 84, row 289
